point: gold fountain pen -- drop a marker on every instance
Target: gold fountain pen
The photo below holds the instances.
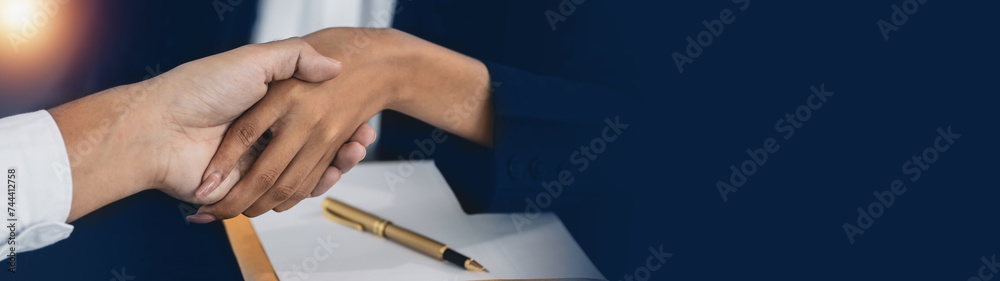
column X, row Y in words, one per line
column 361, row 220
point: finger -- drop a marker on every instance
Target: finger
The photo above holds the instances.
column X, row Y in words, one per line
column 330, row 178
column 365, row 135
column 349, row 156
column 243, row 134
column 242, row 167
column 261, row 177
column 308, row 185
column 295, row 57
column 288, row 184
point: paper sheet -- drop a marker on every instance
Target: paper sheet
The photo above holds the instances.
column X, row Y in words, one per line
column 304, row 245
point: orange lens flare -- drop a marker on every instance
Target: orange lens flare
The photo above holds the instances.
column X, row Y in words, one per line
column 15, row 11
column 38, row 39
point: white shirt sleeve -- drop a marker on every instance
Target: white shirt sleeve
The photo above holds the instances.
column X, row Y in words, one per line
column 39, row 183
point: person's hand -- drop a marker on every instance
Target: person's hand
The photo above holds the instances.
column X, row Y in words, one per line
column 204, row 96
column 162, row 132
column 310, row 121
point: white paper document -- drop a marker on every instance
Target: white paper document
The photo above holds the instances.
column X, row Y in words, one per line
column 304, row 245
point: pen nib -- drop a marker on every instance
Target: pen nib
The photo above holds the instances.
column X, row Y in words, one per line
column 472, row 265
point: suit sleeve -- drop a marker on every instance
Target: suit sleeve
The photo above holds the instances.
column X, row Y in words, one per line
column 548, row 134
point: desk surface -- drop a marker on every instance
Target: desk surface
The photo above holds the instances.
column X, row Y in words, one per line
column 302, row 243
column 256, row 267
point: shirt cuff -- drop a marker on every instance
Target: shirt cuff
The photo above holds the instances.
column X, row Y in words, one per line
column 39, row 182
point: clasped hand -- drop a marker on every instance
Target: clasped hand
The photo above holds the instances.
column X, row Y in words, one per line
column 163, row 132
column 197, row 132
column 209, row 94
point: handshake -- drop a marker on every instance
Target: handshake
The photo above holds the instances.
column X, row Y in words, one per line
column 263, row 126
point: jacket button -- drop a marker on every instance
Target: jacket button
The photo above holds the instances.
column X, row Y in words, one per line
column 515, row 168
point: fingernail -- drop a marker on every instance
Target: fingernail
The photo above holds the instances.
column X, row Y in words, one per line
column 201, row 218
column 315, row 192
column 335, row 61
column 209, row 185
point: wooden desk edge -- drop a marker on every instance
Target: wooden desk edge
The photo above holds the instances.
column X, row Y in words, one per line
column 249, row 252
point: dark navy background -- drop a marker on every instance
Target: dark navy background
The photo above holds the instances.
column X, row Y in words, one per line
column 656, row 185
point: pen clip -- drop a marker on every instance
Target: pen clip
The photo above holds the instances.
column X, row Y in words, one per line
column 338, row 218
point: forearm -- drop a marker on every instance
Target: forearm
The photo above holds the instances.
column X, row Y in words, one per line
column 423, row 80
column 450, row 91
column 109, row 156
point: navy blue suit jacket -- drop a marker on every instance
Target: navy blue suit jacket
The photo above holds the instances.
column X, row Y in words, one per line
column 565, row 103
column 553, row 92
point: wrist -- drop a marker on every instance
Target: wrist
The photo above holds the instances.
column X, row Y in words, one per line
column 400, row 64
column 425, row 75
column 441, row 87
column 106, row 143
column 146, row 106
column 375, row 55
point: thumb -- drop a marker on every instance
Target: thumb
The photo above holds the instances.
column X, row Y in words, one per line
column 294, row 57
